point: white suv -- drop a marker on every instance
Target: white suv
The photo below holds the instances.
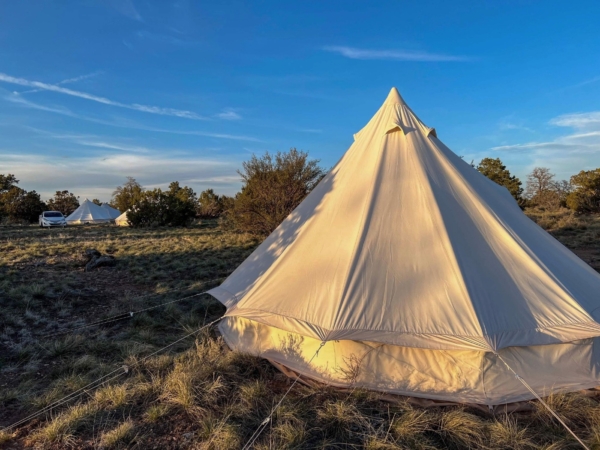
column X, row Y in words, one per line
column 52, row 219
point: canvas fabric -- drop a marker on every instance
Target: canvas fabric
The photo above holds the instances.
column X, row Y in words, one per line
column 88, row 212
column 465, row 376
column 112, row 212
column 122, row 220
column 404, row 244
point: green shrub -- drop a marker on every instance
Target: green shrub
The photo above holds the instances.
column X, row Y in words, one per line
column 585, row 198
column 273, row 186
column 175, row 207
column 499, row 174
column 211, row 205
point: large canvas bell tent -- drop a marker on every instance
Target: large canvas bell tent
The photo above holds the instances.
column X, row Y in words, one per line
column 88, row 212
column 421, row 277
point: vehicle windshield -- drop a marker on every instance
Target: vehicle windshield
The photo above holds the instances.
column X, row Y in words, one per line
column 53, row 214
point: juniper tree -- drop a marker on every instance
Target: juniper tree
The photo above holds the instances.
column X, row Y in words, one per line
column 496, row 171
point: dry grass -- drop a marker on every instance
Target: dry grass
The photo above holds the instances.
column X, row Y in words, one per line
column 60, row 428
column 571, row 229
column 197, row 394
column 121, row 435
column 506, row 432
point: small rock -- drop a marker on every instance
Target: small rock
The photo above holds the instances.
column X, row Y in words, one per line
column 98, row 261
column 92, row 252
column 187, row 436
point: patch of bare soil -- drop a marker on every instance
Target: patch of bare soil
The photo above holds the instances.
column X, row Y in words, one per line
column 590, row 255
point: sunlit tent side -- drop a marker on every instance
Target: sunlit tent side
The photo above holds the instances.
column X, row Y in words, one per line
column 421, row 276
column 88, row 212
column 122, row 220
column 112, row 212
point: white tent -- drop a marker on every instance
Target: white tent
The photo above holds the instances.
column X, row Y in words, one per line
column 421, row 277
column 88, row 212
column 122, row 220
column 112, row 212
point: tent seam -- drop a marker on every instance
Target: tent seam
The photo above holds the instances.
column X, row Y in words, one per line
column 359, row 237
column 484, row 336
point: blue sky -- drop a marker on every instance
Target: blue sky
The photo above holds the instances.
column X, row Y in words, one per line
column 94, row 91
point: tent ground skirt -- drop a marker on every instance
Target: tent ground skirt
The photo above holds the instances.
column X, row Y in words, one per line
column 457, row 376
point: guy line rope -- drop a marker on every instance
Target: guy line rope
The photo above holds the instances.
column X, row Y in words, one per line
column 541, row 400
column 265, row 422
column 96, row 383
column 130, row 314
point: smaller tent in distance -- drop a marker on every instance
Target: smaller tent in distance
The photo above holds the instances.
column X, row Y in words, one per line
column 88, row 212
column 112, row 212
column 122, row 220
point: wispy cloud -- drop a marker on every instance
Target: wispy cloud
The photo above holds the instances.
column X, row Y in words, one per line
column 17, row 99
column 96, row 176
column 514, row 126
column 393, row 55
column 126, row 8
column 112, row 146
column 229, row 114
column 566, row 154
column 510, row 123
column 134, row 106
column 581, row 84
column 579, row 120
column 233, row 137
column 124, row 124
column 67, row 81
column 106, row 143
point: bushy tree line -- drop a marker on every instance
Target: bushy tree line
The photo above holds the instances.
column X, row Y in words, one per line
column 63, row 201
column 272, row 187
column 149, row 208
column 581, row 193
column 173, row 207
column 584, row 196
column 19, row 205
column 212, row 206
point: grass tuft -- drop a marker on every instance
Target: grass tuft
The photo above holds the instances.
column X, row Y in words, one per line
column 5, row 437
column 122, row 435
column 156, row 412
column 61, row 428
column 218, row 434
column 506, row 433
column 179, row 390
column 112, row 396
column 409, row 427
column 460, row 429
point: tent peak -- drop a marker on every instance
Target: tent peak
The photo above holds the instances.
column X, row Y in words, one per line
column 394, row 97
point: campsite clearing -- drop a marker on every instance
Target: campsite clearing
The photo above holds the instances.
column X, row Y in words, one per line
column 197, row 394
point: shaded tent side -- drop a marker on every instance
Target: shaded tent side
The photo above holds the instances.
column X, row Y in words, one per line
column 112, row 212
